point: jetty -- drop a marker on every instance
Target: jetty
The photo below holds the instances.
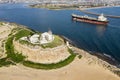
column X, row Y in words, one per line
column 88, row 12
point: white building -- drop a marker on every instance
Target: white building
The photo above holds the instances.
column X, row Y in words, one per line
column 46, row 37
column 24, row 38
column 34, row 39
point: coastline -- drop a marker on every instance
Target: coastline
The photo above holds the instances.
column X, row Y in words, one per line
column 99, row 7
column 72, row 8
column 99, row 59
column 79, row 68
column 101, row 56
column 88, row 65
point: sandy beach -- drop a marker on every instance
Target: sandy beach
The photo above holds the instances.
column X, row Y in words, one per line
column 86, row 68
column 79, row 69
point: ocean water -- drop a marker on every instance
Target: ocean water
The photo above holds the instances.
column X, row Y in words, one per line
column 90, row 37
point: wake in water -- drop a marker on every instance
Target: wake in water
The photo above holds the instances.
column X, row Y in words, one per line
column 114, row 26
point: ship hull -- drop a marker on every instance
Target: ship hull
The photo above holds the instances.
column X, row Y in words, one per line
column 92, row 21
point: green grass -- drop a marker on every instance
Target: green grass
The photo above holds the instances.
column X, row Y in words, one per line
column 12, row 57
column 16, row 57
column 53, row 65
column 26, row 42
column 9, row 45
column 23, row 33
column 56, row 42
column 70, row 51
column 5, row 62
column 80, row 56
column 10, row 53
column 49, row 66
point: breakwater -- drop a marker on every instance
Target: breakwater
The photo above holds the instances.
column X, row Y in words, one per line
column 88, row 12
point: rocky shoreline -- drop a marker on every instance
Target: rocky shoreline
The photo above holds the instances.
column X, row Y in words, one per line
column 97, row 59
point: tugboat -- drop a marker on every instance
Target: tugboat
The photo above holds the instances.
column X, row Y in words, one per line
column 101, row 20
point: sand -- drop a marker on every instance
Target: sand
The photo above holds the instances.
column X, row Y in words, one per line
column 5, row 30
column 79, row 69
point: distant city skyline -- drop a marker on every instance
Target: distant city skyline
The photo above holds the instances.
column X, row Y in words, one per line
column 38, row 1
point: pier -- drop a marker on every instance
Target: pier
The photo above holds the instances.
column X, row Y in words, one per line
column 88, row 12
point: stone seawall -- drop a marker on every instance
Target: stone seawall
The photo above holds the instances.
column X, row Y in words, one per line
column 40, row 55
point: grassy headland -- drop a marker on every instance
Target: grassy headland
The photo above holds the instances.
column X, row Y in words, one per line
column 13, row 57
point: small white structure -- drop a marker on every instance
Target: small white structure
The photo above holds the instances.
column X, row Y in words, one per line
column 24, row 38
column 68, row 44
column 34, row 39
column 46, row 37
column 102, row 18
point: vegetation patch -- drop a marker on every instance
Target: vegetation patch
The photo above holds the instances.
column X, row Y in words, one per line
column 117, row 72
column 23, row 33
column 50, row 66
column 51, row 6
column 56, row 42
column 9, row 45
column 80, row 56
column 12, row 57
column 15, row 57
column 27, row 43
column 1, row 23
column 5, row 62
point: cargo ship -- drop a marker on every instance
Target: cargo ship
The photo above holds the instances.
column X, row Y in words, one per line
column 101, row 20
